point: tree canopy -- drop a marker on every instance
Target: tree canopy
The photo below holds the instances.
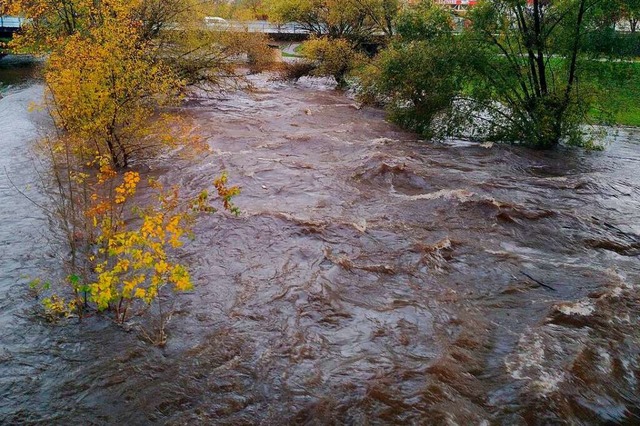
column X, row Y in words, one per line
column 112, row 69
column 511, row 73
column 354, row 20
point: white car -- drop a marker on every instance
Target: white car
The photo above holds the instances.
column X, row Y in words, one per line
column 216, row 22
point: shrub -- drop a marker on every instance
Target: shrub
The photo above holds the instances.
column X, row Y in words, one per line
column 292, row 71
column 333, row 57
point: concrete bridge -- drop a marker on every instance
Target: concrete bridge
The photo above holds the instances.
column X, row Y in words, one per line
column 9, row 25
column 290, row 31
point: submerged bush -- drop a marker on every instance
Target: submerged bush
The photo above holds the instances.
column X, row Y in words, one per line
column 333, row 58
column 292, row 71
column 417, row 77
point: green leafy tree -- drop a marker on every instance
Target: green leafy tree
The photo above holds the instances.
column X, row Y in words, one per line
column 334, row 58
column 381, row 13
column 335, row 19
column 354, row 20
column 514, row 70
column 528, row 67
column 417, row 76
column 631, row 12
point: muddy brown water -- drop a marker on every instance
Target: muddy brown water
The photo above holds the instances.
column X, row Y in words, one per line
column 371, row 278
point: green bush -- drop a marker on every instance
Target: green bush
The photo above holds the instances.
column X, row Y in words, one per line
column 511, row 73
column 332, row 57
column 417, row 76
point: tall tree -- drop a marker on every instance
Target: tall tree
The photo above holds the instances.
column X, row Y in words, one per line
column 531, row 54
column 517, row 68
column 631, row 12
column 107, row 79
column 381, row 13
column 336, row 19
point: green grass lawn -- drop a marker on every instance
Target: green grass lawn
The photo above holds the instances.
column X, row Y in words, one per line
column 297, row 54
column 618, row 84
column 616, row 88
column 613, row 85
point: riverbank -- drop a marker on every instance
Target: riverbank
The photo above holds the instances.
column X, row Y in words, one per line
column 619, row 84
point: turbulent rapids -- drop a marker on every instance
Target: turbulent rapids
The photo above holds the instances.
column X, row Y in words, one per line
column 372, row 278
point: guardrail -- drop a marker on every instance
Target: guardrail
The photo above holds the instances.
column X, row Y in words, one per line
column 258, row 27
column 8, row 23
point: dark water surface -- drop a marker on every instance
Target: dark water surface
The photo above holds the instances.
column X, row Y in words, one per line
column 371, row 279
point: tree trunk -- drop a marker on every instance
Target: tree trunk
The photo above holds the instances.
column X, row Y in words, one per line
column 539, row 42
column 574, row 52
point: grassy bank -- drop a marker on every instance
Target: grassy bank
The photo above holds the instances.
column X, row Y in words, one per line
column 619, row 87
column 286, row 51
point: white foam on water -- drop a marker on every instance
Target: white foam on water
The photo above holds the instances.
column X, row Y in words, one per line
column 582, row 308
column 447, row 194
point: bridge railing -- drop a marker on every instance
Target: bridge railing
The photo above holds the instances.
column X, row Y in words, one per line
column 11, row 22
column 259, row 27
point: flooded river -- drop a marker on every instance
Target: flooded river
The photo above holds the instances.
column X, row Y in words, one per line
column 371, row 279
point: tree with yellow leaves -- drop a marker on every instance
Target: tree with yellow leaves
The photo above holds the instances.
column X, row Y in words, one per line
column 104, row 90
column 120, row 251
column 108, row 83
column 175, row 33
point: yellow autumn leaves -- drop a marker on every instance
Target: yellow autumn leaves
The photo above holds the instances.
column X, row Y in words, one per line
column 107, row 89
column 135, row 263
